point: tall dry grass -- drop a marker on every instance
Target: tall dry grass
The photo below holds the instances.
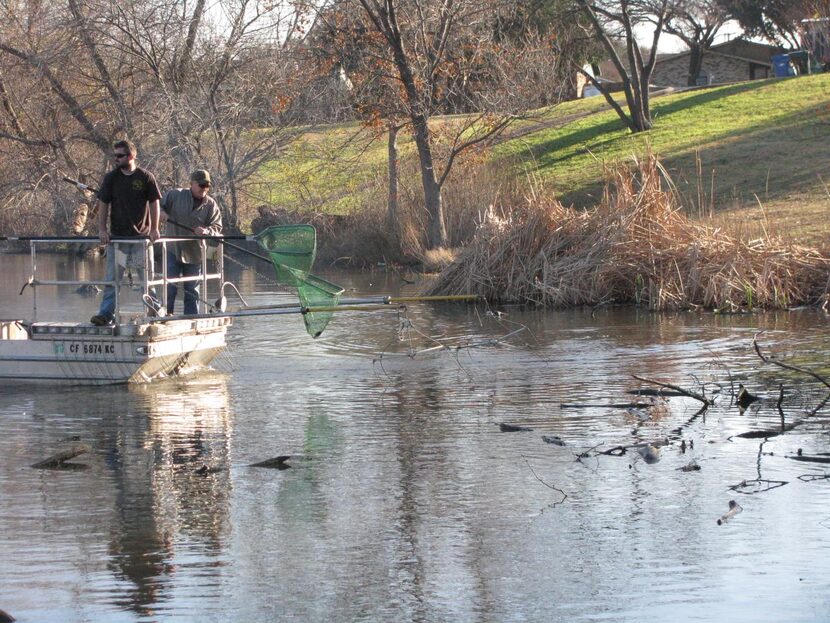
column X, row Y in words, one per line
column 637, row 246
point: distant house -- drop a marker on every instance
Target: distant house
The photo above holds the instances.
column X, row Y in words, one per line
column 815, row 38
column 732, row 61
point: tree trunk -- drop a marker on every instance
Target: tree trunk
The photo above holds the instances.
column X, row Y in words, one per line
column 436, row 230
column 695, row 64
column 392, row 204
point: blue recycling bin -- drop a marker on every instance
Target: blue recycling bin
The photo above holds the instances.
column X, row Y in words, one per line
column 781, row 66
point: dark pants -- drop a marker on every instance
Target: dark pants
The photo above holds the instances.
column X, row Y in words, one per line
column 175, row 269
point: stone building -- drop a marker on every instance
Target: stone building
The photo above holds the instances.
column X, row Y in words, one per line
column 732, row 61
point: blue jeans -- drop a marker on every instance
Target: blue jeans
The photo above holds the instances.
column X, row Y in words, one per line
column 134, row 258
column 175, row 269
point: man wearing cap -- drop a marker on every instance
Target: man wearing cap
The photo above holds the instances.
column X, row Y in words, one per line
column 188, row 211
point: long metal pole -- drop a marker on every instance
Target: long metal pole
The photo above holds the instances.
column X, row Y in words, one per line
column 369, row 304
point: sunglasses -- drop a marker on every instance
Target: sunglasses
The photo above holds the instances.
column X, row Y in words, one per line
column 117, row 155
column 203, row 185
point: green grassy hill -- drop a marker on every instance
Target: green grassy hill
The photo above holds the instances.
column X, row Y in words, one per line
column 756, row 155
column 761, row 146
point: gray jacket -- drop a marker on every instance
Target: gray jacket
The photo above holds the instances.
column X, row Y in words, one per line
column 178, row 205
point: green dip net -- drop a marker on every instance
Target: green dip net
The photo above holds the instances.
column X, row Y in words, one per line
column 292, row 249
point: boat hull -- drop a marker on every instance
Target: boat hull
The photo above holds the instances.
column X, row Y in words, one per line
column 82, row 354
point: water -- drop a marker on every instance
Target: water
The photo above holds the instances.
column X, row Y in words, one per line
column 407, row 503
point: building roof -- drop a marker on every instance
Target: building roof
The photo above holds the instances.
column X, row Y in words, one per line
column 742, row 49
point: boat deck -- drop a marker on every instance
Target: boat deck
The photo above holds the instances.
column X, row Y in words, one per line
column 82, row 353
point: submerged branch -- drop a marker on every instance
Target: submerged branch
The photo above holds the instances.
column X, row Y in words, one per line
column 535, row 475
column 685, row 392
column 787, row 366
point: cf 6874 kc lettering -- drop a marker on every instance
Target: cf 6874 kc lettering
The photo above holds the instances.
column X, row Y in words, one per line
column 91, row 349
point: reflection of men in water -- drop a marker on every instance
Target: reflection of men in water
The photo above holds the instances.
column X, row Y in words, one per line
column 128, row 206
column 191, row 211
column 167, row 512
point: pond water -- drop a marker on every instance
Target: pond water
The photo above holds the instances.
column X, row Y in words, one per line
column 406, row 501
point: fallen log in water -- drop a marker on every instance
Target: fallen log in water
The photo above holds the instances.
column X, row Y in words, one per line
column 513, row 428
column 763, row 434
column 60, row 457
column 278, row 462
column 810, row 459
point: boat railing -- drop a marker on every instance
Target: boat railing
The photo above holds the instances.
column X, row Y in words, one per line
column 151, row 277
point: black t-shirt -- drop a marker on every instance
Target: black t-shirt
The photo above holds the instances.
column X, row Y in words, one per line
column 128, row 196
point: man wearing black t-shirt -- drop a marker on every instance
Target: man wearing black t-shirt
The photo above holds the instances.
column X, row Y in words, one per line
column 128, row 202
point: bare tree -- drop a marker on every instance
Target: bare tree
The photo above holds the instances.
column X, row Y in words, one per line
column 613, row 21
column 191, row 87
column 224, row 82
column 431, row 58
column 696, row 23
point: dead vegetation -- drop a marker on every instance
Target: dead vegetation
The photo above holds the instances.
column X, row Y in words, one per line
column 636, row 247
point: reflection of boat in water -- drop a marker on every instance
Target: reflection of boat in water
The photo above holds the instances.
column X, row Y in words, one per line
column 138, row 347
column 167, row 514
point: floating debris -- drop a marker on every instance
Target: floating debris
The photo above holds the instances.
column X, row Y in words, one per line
column 650, row 453
column 204, row 470
column 810, row 459
column 692, row 466
column 734, row 509
column 759, row 485
column 640, row 414
column 278, row 462
column 512, row 428
column 58, row 460
column 745, row 398
column 88, row 289
column 553, row 439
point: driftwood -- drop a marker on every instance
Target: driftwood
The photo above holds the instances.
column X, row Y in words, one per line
column 553, row 439
column 684, row 392
column 59, row 458
column 734, row 509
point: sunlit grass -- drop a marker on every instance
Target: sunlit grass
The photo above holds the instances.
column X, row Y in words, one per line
column 755, row 146
column 764, row 138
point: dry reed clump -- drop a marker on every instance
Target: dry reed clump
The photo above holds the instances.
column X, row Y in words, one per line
column 635, row 247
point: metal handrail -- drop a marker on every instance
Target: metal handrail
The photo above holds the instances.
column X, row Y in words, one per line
column 148, row 278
